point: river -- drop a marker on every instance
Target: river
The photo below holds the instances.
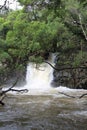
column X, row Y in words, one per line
column 43, row 107
column 44, row 112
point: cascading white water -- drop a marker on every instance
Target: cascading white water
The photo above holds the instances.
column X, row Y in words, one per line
column 39, row 78
column 50, row 112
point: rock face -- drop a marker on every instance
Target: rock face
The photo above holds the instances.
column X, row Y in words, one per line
column 75, row 79
column 9, row 77
column 72, row 78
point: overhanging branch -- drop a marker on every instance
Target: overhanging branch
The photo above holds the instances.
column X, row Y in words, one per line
column 2, row 6
column 66, row 68
column 73, row 96
column 4, row 92
column 81, row 25
column 67, row 95
column 83, row 95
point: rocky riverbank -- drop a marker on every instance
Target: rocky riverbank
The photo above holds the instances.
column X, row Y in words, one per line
column 72, row 78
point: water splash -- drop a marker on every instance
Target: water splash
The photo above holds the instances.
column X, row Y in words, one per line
column 38, row 79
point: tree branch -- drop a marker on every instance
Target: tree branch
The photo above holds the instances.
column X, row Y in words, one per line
column 73, row 96
column 81, row 25
column 2, row 103
column 2, row 6
column 3, row 93
column 21, row 90
column 67, row 95
column 83, row 95
column 60, row 69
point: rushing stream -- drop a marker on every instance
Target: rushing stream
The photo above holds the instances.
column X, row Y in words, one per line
column 43, row 107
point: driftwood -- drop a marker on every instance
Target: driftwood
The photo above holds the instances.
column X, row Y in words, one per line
column 83, row 95
column 73, row 96
column 4, row 92
column 67, row 95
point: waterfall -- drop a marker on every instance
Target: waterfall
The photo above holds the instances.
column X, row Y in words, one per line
column 39, row 77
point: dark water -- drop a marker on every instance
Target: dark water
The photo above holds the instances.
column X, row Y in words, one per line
column 43, row 112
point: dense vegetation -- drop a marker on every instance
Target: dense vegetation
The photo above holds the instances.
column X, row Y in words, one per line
column 44, row 26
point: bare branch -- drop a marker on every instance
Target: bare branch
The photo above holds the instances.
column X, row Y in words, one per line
column 60, row 69
column 2, row 103
column 83, row 95
column 11, row 89
column 73, row 96
column 4, row 92
column 2, row 6
column 3, row 97
column 21, row 90
column 67, row 95
column 81, row 25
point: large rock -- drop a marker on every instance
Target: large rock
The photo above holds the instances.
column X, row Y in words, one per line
column 72, row 78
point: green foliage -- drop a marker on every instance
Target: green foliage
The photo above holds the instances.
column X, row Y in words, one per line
column 36, row 59
column 80, row 58
column 4, row 56
column 42, row 27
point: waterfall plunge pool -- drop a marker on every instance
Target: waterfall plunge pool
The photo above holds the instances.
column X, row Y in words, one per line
column 43, row 112
column 43, row 108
